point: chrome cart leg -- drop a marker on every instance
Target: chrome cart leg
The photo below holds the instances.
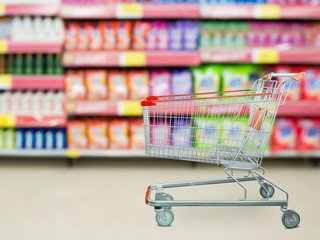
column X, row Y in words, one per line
column 231, row 176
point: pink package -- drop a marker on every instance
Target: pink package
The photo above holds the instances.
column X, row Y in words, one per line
column 284, row 135
column 160, row 132
column 311, row 85
column 160, row 82
column 151, row 38
column 295, row 90
column 162, row 35
column 308, row 134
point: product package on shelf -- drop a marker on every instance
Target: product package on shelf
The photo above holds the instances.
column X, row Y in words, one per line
column 33, row 138
column 308, row 134
column 26, row 103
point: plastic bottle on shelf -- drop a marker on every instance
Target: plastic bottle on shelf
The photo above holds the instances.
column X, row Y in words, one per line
column 38, row 64
column 11, row 63
column 18, row 64
column 28, row 64
column 40, row 139
column 58, row 30
column 30, row 138
column 48, row 30
column 38, row 26
column 49, row 63
column 2, row 138
column 59, row 98
column 9, row 137
column 61, row 139
column 15, row 31
column 27, row 30
column 20, row 138
column 50, row 139
column 58, row 69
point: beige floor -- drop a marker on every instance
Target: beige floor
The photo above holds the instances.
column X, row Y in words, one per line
column 104, row 199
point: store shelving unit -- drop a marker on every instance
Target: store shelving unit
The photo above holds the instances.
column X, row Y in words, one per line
column 130, row 58
column 77, row 59
column 8, row 47
column 15, row 82
column 103, row 108
column 187, row 11
column 29, row 9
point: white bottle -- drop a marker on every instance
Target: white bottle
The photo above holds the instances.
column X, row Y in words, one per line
column 38, row 33
column 16, row 32
column 58, row 30
column 59, row 99
column 48, row 30
column 27, row 29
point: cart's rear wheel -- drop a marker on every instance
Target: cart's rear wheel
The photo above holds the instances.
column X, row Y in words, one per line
column 165, row 220
column 294, row 222
column 264, row 193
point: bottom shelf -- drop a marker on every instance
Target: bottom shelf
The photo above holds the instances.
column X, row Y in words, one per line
column 74, row 153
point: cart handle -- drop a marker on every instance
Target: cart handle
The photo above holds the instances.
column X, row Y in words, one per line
column 152, row 100
column 294, row 76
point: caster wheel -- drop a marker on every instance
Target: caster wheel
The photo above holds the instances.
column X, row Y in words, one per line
column 264, row 193
column 168, row 198
column 294, row 222
column 166, row 220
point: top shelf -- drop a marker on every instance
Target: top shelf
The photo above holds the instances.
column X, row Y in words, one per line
column 187, row 11
column 29, row 9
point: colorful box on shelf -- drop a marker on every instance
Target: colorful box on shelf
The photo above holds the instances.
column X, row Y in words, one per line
column 104, row 107
column 262, row 56
column 130, row 11
column 29, row 47
column 31, row 82
column 263, row 11
column 29, row 9
column 130, row 58
column 9, row 120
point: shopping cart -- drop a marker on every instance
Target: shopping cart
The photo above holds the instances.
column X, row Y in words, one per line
column 229, row 128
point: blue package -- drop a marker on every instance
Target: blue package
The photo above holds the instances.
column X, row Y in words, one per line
column 181, row 81
column 191, row 34
column 182, row 133
column 20, row 138
column 175, row 35
column 40, row 138
column 61, row 139
column 30, row 138
column 50, row 139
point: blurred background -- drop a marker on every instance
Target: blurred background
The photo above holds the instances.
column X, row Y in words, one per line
column 72, row 74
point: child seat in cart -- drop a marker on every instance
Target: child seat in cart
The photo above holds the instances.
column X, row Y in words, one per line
column 228, row 128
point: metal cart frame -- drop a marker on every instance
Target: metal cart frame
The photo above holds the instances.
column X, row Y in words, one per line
column 263, row 99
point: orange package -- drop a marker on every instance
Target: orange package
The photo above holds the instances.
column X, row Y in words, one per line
column 119, row 134
column 118, row 85
column 82, row 36
column 96, row 84
column 97, row 132
column 124, row 35
column 76, row 134
column 94, row 36
column 141, row 30
column 137, row 134
column 138, row 81
column 74, row 82
column 71, row 33
column 108, row 32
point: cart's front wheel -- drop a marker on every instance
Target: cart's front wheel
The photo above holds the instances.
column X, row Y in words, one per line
column 166, row 219
column 293, row 222
column 264, row 193
column 168, row 198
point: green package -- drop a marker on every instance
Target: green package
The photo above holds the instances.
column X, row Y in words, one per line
column 205, row 36
column 233, row 132
column 206, row 78
column 207, row 132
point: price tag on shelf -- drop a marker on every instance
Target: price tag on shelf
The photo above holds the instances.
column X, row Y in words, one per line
column 73, row 153
column 265, row 55
column 5, row 81
column 132, row 59
column 3, row 46
column 130, row 108
column 8, row 120
column 267, row 11
column 129, row 10
column 2, row 9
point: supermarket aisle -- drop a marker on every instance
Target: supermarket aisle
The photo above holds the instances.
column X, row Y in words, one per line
column 105, row 200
